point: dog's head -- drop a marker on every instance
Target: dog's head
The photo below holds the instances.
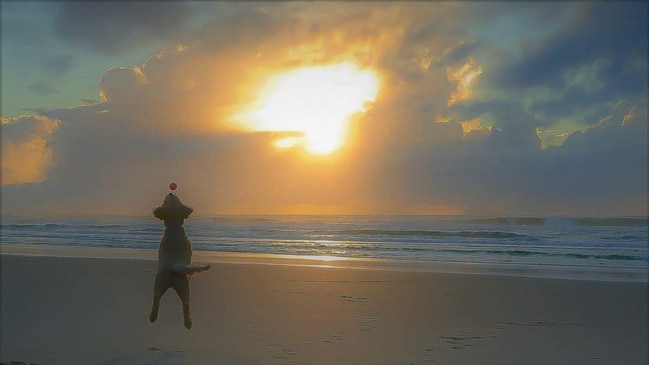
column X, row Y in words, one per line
column 172, row 208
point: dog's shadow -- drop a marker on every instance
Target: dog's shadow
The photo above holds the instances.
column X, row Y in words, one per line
column 155, row 356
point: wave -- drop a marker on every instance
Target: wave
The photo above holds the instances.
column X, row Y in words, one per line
column 106, row 226
column 18, row 225
column 242, row 220
column 149, row 229
column 41, row 226
column 572, row 255
column 433, row 234
column 502, row 221
column 583, row 222
column 498, row 221
column 55, row 225
column 529, row 221
column 63, row 225
column 613, row 222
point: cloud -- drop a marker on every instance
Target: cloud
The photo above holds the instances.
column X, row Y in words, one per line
column 464, row 76
column 169, row 119
column 60, row 64
column 621, row 113
column 568, row 78
column 592, row 35
column 113, row 28
column 473, row 128
column 42, row 88
column 582, row 63
column 87, row 102
column 118, row 83
column 26, row 149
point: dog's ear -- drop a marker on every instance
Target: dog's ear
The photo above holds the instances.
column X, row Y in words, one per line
column 185, row 211
column 159, row 213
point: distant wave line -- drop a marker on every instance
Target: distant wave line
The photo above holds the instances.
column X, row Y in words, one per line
column 433, row 234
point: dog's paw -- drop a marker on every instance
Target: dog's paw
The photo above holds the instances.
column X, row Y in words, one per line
column 153, row 317
column 188, row 323
column 203, row 267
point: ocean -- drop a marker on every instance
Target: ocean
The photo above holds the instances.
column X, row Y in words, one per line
column 611, row 243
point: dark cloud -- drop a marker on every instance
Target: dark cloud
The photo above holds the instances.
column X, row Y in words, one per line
column 574, row 103
column 243, row 27
column 59, row 65
column 572, row 75
column 115, row 27
column 599, row 172
column 613, row 34
column 42, row 88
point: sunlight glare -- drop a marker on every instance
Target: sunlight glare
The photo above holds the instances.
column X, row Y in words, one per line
column 315, row 102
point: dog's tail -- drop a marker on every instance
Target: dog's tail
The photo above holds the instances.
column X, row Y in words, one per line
column 190, row 269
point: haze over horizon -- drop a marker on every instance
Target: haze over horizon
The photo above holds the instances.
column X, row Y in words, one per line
column 397, row 108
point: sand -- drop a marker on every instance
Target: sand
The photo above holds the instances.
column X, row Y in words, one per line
column 80, row 310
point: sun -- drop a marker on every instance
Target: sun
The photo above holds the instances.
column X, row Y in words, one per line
column 313, row 102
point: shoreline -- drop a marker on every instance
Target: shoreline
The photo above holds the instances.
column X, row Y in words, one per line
column 466, row 268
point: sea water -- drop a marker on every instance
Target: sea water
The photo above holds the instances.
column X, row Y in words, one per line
column 557, row 241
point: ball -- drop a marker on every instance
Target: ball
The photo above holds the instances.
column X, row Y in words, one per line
column 173, row 186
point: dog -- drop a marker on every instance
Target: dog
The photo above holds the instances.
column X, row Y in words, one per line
column 174, row 257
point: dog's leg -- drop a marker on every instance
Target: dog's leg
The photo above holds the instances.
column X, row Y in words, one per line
column 181, row 286
column 162, row 283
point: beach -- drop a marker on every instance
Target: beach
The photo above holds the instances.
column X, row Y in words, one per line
column 81, row 309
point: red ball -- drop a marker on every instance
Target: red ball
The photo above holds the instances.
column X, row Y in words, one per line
column 173, row 186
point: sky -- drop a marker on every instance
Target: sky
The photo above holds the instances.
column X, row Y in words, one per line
column 475, row 108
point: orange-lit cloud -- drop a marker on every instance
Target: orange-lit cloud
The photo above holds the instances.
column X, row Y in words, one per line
column 465, row 76
column 473, row 128
column 26, row 153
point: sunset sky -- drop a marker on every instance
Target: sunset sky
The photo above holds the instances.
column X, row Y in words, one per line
column 479, row 108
